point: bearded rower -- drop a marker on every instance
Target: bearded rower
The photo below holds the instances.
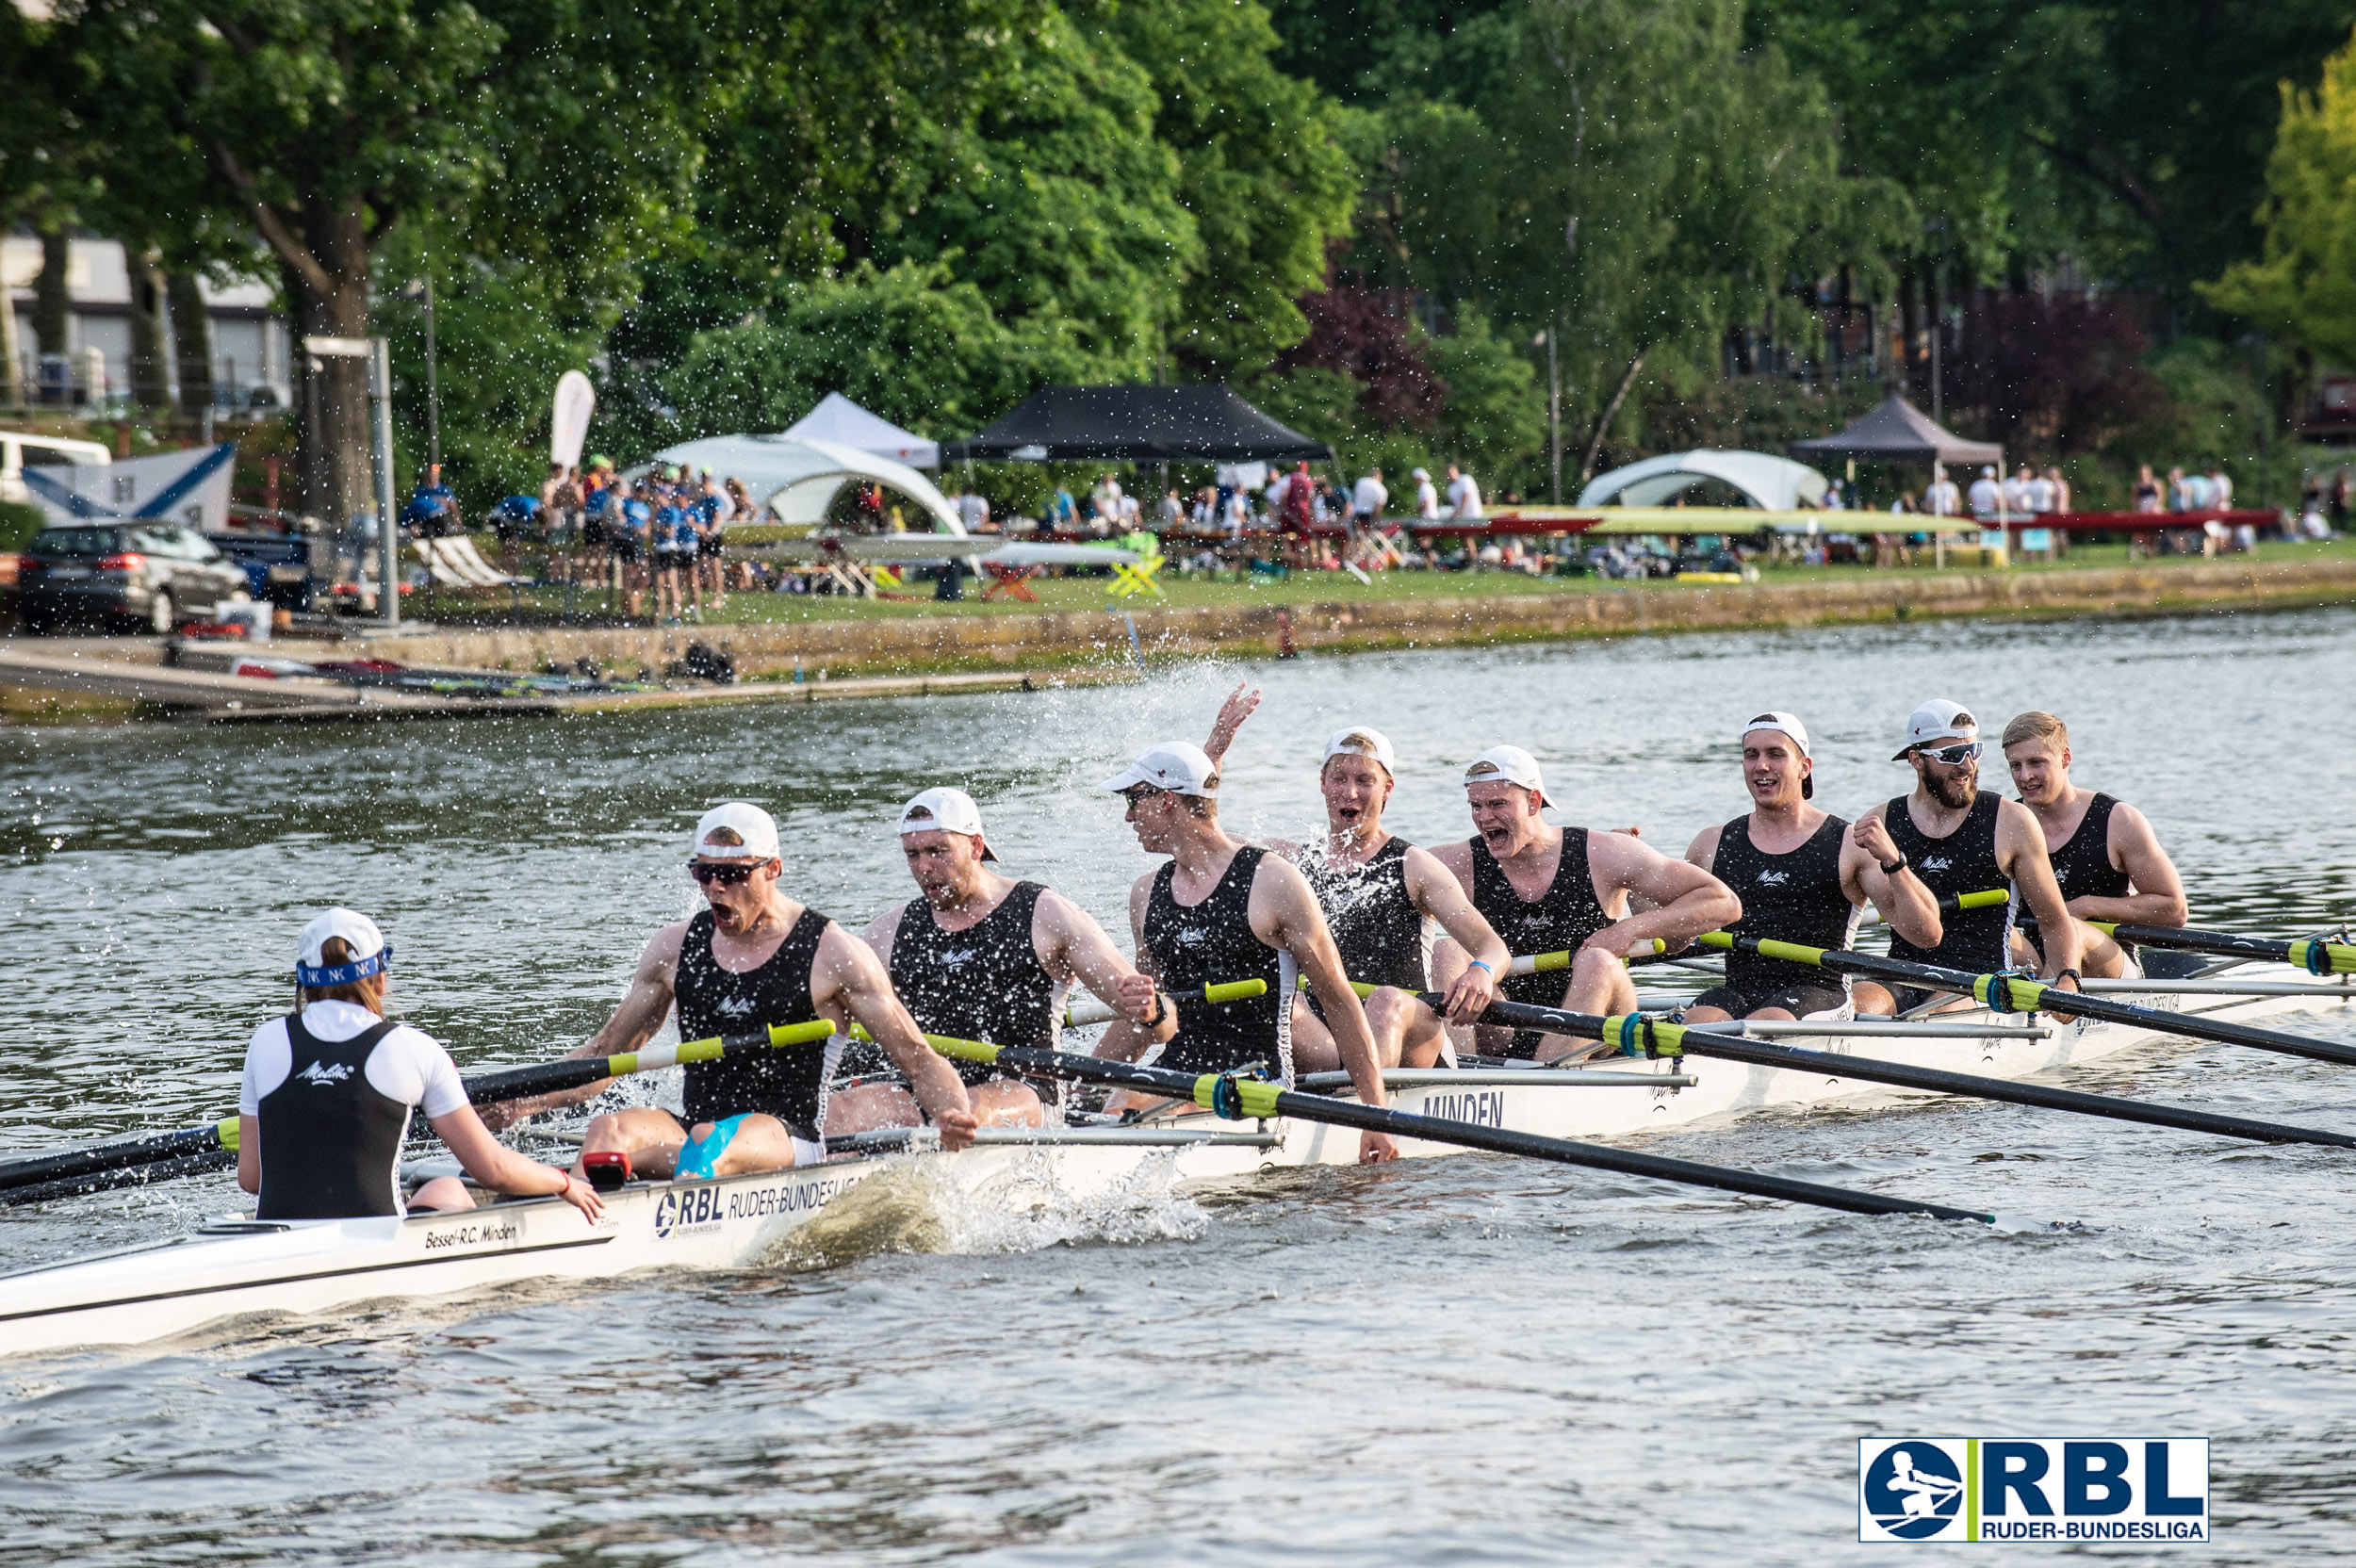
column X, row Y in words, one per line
column 1549, row 889
column 755, row 957
column 2107, row 859
column 1222, row 911
column 1384, row 899
column 1959, row 839
column 982, row 957
column 1802, row 876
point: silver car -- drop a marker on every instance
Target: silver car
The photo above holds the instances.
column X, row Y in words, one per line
column 152, row 574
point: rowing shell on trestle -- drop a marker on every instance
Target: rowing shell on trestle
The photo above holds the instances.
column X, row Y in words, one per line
column 236, row 1268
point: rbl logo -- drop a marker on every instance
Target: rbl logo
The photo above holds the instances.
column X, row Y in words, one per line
column 2151, row 1490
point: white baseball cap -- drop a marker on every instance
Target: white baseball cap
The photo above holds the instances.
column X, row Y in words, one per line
column 1787, row 724
column 1420, row 473
column 370, row 952
column 736, row 831
column 1937, row 720
column 945, row 810
column 1359, row 741
column 1179, row 766
column 1509, row 766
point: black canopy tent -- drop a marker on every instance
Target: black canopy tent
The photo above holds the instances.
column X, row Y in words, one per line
column 1135, row 424
column 1894, row 430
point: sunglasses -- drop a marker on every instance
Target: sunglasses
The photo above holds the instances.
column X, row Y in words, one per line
column 728, row 874
column 1955, row 756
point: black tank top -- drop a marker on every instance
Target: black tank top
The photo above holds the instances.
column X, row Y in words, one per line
column 1558, row 922
column 1377, row 928
column 983, row 983
column 787, row 1083
column 1210, row 943
column 330, row 1140
column 1793, row 897
column 2083, row 865
column 1962, row 862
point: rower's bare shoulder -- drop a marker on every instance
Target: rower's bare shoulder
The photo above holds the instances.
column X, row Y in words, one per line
column 882, row 929
column 662, row 948
column 1703, row 851
column 1456, row 855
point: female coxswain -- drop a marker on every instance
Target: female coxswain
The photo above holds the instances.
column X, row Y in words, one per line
column 329, row 1090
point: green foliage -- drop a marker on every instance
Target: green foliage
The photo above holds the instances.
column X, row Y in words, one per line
column 19, row 522
column 1494, row 420
column 2304, row 288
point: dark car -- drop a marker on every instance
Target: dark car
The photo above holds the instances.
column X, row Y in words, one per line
column 152, row 574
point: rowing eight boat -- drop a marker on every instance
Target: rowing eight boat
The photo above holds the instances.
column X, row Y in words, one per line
column 234, row 1268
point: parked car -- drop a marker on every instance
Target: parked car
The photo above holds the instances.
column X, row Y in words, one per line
column 153, row 575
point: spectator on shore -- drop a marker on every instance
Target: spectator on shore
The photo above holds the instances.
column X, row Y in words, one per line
column 1984, row 494
column 1942, row 499
column 1169, row 513
column 1299, row 500
column 2178, row 491
column 432, row 510
column 2220, row 489
column 2040, row 492
column 1426, row 497
column 2148, row 495
column 1464, row 496
column 1369, row 500
column 972, row 511
column 564, row 502
column 2018, row 493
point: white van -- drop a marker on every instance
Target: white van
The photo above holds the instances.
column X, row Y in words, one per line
column 17, row 447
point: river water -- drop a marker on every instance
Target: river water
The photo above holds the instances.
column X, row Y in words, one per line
column 1460, row 1361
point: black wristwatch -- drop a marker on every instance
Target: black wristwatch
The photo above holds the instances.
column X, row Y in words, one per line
column 2073, row 974
column 1161, row 1008
column 1894, row 867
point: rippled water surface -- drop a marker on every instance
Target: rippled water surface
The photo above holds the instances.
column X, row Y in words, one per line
column 1459, row 1361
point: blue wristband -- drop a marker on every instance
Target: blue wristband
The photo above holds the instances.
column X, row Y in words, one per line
column 1482, row 963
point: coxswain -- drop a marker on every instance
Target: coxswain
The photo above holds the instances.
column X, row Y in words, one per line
column 1385, row 900
column 1959, row 839
column 1222, row 911
column 329, row 1090
column 754, row 958
column 982, row 957
column 1804, row 876
column 1553, row 889
column 2106, row 860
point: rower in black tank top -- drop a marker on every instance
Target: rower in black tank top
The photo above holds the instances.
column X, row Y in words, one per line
column 1793, row 897
column 1375, row 924
column 1560, row 920
column 2083, row 864
column 787, row 1083
column 1211, row 943
column 330, row 1140
column 983, row 983
column 1962, row 862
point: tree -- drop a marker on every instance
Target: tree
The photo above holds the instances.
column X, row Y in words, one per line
column 320, row 126
column 2304, row 286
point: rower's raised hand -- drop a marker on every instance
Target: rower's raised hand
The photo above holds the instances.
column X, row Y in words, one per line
column 1241, row 705
column 957, row 1129
column 1137, row 999
column 1871, row 835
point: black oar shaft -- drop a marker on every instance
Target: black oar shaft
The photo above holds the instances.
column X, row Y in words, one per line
column 1709, row 1042
column 1268, row 1099
column 2013, row 993
column 124, row 1176
column 68, row 1164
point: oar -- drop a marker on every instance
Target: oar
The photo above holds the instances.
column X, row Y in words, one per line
column 1955, row 903
column 1245, row 1098
column 2013, row 993
column 2313, row 955
column 1540, row 963
column 1641, row 1036
column 1081, row 1014
column 134, row 1161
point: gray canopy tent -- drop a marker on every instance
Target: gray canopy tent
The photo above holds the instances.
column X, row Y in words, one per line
column 1135, row 424
column 1894, row 430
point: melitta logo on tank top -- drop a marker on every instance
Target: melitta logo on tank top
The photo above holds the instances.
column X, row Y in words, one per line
column 733, row 1006
column 323, row 1076
column 1774, row 878
column 1192, row 935
column 957, row 957
column 1938, row 862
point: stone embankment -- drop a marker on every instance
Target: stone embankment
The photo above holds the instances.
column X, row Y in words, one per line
column 838, row 648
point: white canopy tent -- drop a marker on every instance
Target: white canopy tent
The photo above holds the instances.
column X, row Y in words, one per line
column 1772, row 484
column 840, row 420
column 796, row 477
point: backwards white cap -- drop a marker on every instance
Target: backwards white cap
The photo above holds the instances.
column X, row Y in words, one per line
column 1787, row 724
column 736, row 831
column 1937, row 720
column 370, row 952
column 1508, row 765
column 1359, row 741
column 946, row 809
column 1179, row 766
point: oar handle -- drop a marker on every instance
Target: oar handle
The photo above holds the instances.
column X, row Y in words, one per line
column 520, row 1083
column 1079, row 1015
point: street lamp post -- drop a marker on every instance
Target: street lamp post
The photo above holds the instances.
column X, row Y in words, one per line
column 422, row 289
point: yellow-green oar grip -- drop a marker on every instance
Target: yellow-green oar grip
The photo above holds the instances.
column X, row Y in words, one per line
column 2323, row 958
column 1636, row 1035
column 1987, row 900
column 226, row 1131
column 1715, row 939
column 967, row 1051
column 1793, row 952
column 1235, row 990
column 1541, row 963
